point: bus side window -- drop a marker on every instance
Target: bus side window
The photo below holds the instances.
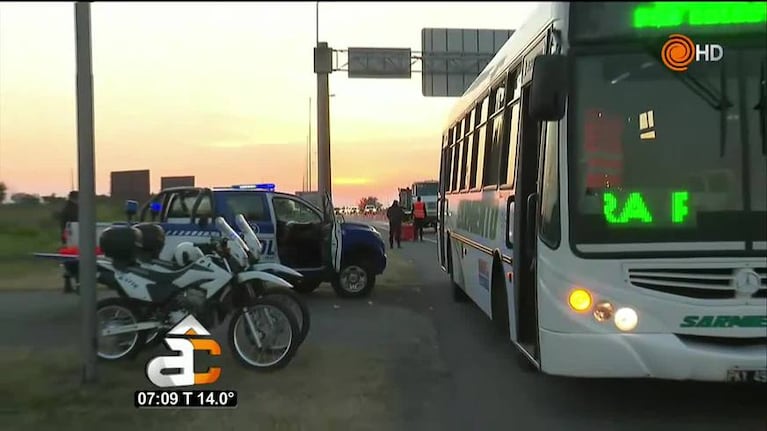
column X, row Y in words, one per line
column 510, row 152
column 447, row 153
column 455, row 151
column 471, row 170
column 457, row 159
column 466, row 167
column 550, row 230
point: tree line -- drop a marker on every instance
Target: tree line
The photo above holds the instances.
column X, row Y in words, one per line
column 369, row 200
column 22, row 198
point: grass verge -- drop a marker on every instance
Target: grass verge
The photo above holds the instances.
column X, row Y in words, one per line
column 324, row 388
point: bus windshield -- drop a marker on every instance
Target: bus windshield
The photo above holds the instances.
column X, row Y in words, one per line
column 426, row 189
column 658, row 156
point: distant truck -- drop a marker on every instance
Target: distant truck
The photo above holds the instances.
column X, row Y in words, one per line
column 428, row 191
column 406, row 202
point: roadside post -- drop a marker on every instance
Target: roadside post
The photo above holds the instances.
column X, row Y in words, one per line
column 87, row 188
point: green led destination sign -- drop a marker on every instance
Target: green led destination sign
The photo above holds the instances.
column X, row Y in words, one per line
column 647, row 209
column 674, row 15
column 617, row 22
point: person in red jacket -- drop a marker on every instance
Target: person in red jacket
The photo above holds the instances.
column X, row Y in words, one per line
column 419, row 217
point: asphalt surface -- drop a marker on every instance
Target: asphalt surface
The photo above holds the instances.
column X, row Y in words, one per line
column 454, row 371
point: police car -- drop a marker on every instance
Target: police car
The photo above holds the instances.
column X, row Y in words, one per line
column 318, row 244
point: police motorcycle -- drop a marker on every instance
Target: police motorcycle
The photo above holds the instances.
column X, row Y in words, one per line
column 263, row 332
column 152, row 235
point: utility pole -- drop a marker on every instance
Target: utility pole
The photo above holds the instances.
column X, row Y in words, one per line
column 309, row 148
column 323, row 60
column 86, row 187
column 323, row 66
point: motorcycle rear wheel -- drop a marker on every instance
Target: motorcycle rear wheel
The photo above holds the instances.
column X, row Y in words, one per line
column 132, row 341
column 297, row 306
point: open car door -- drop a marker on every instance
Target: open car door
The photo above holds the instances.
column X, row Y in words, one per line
column 332, row 233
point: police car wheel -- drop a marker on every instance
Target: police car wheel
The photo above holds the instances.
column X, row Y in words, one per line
column 355, row 280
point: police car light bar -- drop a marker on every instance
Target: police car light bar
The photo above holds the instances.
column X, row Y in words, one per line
column 264, row 186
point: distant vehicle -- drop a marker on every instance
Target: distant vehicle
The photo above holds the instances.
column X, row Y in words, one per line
column 370, row 209
column 428, row 191
column 406, row 202
column 293, row 232
column 607, row 215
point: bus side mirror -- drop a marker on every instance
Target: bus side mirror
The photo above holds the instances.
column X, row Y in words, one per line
column 548, row 92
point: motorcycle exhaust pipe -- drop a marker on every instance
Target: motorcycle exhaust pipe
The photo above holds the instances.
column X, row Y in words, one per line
column 130, row 328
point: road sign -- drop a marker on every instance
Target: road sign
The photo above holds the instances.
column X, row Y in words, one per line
column 453, row 57
column 379, row 63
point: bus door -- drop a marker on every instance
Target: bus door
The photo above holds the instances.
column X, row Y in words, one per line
column 441, row 207
column 524, row 238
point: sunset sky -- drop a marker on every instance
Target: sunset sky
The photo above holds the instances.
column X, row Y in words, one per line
column 221, row 91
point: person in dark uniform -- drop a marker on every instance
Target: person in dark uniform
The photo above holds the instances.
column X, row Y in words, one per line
column 395, row 214
column 69, row 213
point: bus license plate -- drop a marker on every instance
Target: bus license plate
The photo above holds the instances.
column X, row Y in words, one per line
column 747, row 376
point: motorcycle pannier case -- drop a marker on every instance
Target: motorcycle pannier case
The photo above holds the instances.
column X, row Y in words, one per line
column 120, row 243
column 152, row 239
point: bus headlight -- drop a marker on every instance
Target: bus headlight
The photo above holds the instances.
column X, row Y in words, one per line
column 603, row 312
column 626, row 319
column 580, row 300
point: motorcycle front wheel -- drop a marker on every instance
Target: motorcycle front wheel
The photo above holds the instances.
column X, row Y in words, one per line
column 264, row 334
column 112, row 313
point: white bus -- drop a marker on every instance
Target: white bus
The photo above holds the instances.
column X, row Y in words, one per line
column 571, row 205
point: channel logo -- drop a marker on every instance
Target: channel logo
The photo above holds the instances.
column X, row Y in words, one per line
column 679, row 52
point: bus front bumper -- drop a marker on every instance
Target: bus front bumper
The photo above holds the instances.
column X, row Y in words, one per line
column 661, row 356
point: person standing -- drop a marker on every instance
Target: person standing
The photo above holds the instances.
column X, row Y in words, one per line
column 69, row 213
column 419, row 217
column 395, row 214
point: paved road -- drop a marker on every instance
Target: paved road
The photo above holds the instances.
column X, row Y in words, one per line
column 491, row 391
column 453, row 370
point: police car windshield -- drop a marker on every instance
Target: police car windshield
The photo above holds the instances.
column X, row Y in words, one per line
column 653, row 161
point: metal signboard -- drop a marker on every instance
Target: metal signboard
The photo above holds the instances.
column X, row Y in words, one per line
column 379, row 63
column 453, row 57
column 133, row 185
column 178, row 181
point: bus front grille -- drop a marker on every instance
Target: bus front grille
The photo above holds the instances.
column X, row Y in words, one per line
column 695, row 282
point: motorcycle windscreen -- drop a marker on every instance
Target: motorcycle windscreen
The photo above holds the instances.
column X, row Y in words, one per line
column 250, row 236
column 237, row 246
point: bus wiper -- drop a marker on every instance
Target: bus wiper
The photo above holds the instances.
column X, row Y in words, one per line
column 761, row 104
column 720, row 103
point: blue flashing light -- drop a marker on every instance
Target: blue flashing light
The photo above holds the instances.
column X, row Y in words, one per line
column 155, row 207
column 264, row 186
